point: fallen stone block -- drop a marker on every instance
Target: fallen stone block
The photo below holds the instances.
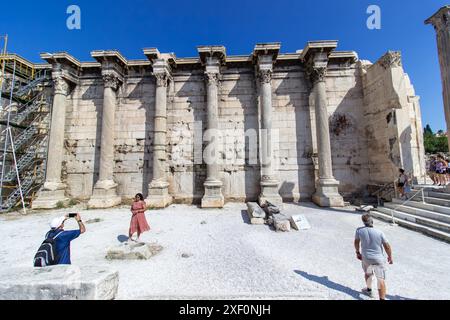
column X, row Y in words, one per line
column 299, row 222
column 365, row 208
column 272, row 209
column 255, row 211
column 257, row 221
column 281, row 223
column 133, row 251
column 60, row 282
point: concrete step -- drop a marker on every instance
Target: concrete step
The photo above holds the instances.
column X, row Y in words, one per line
column 440, row 195
column 437, row 201
column 412, row 226
column 426, row 210
column 400, row 214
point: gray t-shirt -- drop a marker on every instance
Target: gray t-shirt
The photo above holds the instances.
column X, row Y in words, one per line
column 372, row 241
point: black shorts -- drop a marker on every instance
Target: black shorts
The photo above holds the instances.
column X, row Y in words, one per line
column 400, row 185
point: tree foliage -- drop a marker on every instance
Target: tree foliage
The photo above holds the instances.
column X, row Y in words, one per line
column 433, row 143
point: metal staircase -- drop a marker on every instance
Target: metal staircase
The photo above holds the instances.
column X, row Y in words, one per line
column 14, row 197
column 23, row 161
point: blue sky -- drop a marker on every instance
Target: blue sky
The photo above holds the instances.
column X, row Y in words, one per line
column 179, row 26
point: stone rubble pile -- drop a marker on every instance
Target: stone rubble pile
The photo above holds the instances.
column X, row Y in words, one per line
column 271, row 215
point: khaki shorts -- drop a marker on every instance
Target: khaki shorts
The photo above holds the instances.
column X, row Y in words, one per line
column 378, row 270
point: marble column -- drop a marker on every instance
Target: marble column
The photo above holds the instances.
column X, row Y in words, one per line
column 213, row 197
column 53, row 191
column 327, row 194
column 159, row 187
column 441, row 22
column 105, row 193
column 269, row 183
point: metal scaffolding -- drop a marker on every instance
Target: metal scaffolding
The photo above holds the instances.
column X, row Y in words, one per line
column 24, row 125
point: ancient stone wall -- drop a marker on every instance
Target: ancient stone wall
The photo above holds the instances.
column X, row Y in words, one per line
column 393, row 121
column 374, row 124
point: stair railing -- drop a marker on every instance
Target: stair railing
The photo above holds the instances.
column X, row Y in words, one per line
column 383, row 188
column 392, row 210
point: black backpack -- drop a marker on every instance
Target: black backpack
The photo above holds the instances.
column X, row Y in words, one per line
column 47, row 255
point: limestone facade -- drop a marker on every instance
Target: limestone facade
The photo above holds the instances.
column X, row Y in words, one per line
column 336, row 124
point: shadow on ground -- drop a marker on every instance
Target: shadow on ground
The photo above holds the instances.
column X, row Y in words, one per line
column 122, row 238
column 338, row 287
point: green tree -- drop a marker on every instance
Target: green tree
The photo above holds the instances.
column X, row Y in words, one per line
column 432, row 143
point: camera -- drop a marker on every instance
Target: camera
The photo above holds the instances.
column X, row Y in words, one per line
column 72, row 215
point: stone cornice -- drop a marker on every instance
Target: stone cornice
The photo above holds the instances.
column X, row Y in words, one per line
column 113, row 55
column 314, row 47
column 208, row 52
column 335, row 56
column 63, row 64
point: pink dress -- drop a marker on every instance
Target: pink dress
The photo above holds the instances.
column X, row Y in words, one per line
column 138, row 222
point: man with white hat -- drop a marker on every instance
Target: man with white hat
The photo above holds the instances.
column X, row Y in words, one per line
column 63, row 239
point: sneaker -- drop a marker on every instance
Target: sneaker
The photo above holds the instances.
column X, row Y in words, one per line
column 367, row 292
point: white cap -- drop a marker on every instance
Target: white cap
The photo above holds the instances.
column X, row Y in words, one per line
column 57, row 222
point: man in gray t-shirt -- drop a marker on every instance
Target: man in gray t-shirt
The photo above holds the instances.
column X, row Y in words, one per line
column 372, row 242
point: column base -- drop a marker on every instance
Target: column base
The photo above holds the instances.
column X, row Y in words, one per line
column 104, row 195
column 327, row 194
column 50, row 196
column 213, row 197
column 158, row 195
column 269, row 193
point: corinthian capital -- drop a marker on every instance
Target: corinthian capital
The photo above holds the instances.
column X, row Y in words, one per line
column 162, row 79
column 265, row 76
column 316, row 74
column 61, row 85
column 111, row 81
column 212, row 78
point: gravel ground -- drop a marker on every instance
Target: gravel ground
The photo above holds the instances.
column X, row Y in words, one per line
column 230, row 259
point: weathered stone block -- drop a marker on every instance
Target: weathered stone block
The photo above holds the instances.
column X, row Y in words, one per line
column 281, row 223
column 133, row 251
column 299, row 222
column 255, row 211
column 58, row 283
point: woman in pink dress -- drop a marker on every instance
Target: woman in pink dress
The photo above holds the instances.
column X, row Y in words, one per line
column 138, row 222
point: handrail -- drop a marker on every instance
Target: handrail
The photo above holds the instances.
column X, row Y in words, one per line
column 383, row 188
column 405, row 202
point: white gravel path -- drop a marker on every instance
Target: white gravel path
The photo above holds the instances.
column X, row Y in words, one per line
column 234, row 260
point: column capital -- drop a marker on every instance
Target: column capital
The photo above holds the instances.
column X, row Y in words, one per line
column 212, row 78
column 265, row 75
column 316, row 73
column 264, row 56
column 212, row 57
column 113, row 65
column 315, row 57
column 441, row 19
column 162, row 64
column 111, row 80
column 61, row 86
